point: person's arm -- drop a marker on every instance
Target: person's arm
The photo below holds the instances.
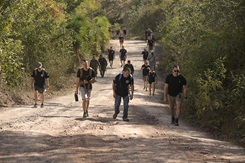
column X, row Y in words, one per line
column 185, row 91
column 165, row 93
column 77, row 85
column 47, row 82
column 32, row 83
column 114, row 89
column 132, row 92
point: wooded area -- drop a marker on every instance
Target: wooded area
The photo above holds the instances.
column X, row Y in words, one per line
column 206, row 38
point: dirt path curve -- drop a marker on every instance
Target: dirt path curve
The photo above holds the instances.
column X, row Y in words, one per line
column 58, row 133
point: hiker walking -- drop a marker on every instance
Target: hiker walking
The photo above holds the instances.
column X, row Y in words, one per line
column 151, row 43
column 39, row 82
column 103, row 65
column 145, row 54
column 152, row 59
column 152, row 79
column 176, row 91
column 123, row 56
column 85, row 79
column 94, row 63
column 130, row 66
column 145, row 68
column 121, row 39
column 123, row 88
column 111, row 56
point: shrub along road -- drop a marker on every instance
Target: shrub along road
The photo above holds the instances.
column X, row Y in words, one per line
column 59, row 133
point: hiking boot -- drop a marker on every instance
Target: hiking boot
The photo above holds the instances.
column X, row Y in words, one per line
column 125, row 119
column 114, row 116
column 173, row 120
column 41, row 105
column 35, row 106
column 176, row 122
column 84, row 114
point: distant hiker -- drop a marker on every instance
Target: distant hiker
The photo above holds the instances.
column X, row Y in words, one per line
column 130, row 66
column 125, row 32
column 85, row 79
column 39, row 82
column 148, row 34
column 151, row 43
column 118, row 32
column 103, row 65
column 145, row 68
column 121, row 85
column 111, row 56
column 152, row 59
column 123, row 56
column 145, row 54
column 121, row 39
column 152, row 78
column 176, row 91
column 94, row 63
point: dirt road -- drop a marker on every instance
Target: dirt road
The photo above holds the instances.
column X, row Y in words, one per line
column 59, row 133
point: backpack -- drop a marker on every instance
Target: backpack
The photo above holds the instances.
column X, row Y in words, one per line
column 89, row 69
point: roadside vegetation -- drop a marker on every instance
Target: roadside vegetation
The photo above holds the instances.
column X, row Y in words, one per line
column 206, row 38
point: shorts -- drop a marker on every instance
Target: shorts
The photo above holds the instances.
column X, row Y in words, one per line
column 122, row 58
column 85, row 93
column 177, row 99
column 39, row 88
column 152, row 82
column 145, row 78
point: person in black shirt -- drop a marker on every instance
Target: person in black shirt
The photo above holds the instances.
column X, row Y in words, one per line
column 39, row 82
column 123, row 87
column 123, row 56
column 111, row 56
column 130, row 65
column 85, row 78
column 175, row 90
column 145, row 71
column 145, row 54
column 103, row 65
column 152, row 81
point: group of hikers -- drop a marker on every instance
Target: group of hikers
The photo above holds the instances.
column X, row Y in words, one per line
column 175, row 90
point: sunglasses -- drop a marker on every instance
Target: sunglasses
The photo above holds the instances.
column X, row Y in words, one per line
column 176, row 70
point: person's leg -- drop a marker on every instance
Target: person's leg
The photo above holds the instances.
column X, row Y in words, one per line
column 146, row 82
column 150, row 88
column 171, row 108
column 179, row 100
column 82, row 90
column 117, row 106
column 125, row 110
column 153, row 88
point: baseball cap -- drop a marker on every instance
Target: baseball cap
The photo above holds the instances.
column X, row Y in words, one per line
column 39, row 65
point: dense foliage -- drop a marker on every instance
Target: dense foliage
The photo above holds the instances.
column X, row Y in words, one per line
column 49, row 31
column 206, row 38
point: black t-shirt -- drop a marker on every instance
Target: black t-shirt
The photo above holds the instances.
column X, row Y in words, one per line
column 123, row 53
column 39, row 77
column 175, row 84
column 103, row 63
column 145, row 54
column 152, row 76
column 145, row 69
column 122, row 85
column 151, row 42
column 86, row 76
column 111, row 54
